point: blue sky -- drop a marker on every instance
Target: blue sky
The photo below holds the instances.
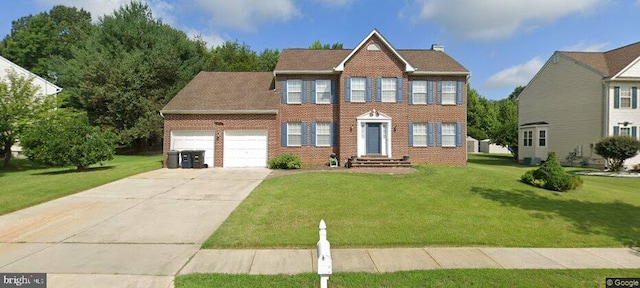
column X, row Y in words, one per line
column 502, row 42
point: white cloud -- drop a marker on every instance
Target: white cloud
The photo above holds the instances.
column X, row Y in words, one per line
column 586, row 47
column 213, row 40
column 513, row 76
column 496, row 19
column 96, row 8
column 248, row 14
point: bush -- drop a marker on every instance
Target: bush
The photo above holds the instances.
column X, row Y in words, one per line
column 616, row 149
column 551, row 176
column 285, row 161
column 68, row 139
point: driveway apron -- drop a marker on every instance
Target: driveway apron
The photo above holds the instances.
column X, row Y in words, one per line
column 135, row 232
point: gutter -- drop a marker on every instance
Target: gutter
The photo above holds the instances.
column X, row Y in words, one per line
column 276, row 72
column 441, row 73
column 219, row 112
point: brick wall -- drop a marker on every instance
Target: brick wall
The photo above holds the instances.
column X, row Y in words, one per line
column 220, row 123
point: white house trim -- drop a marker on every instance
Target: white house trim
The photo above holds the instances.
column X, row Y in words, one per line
column 408, row 66
column 45, row 87
column 625, row 69
column 374, row 116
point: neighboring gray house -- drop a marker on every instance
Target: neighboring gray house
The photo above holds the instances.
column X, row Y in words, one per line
column 575, row 100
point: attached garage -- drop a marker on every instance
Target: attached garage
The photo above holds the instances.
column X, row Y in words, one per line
column 194, row 140
column 245, row 148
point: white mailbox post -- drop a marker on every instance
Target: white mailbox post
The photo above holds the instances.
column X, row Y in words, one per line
column 324, row 256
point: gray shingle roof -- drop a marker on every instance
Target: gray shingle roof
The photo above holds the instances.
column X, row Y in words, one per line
column 608, row 63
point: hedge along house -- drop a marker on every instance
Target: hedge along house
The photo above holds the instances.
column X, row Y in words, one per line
column 371, row 101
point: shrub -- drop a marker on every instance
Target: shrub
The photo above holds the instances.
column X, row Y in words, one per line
column 551, row 176
column 616, row 149
column 285, row 161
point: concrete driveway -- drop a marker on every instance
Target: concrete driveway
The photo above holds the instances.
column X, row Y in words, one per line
column 135, row 232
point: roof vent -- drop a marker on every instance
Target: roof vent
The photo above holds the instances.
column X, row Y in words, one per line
column 437, row 47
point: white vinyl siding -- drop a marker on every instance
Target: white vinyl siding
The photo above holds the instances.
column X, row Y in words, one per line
column 323, row 91
column 449, row 92
column 449, row 134
column 358, row 89
column 389, row 89
column 420, row 134
column 419, row 92
column 294, row 134
column 323, row 134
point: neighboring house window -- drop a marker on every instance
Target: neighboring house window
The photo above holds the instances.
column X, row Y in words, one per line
column 358, row 89
column 420, row 134
column 625, row 131
column 449, row 134
column 323, row 91
column 294, row 91
column 625, row 97
column 323, row 134
column 448, row 92
column 528, row 138
column 294, row 134
column 419, row 92
column 542, row 138
column 389, row 89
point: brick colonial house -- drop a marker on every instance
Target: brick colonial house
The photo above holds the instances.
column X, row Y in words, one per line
column 372, row 101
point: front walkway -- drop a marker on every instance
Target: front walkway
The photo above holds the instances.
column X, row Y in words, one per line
column 376, row 260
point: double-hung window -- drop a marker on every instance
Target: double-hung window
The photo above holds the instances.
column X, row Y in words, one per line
column 323, row 91
column 527, row 138
column 294, row 134
column 419, row 89
column 323, row 134
column 625, row 97
column 448, row 95
column 542, row 138
column 625, row 131
column 358, row 89
column 448, row 134
column 389, row 89
column 420, row 134
column 294, row 91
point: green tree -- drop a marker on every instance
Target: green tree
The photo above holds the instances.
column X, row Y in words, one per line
column 505, row 133
column 551, row 176
column 20, row 105
column 67, row 138
column 481, row 115
column 128, row 68
column 35, row 39
column 617, row 149
column 235, row 56
column 317, row 45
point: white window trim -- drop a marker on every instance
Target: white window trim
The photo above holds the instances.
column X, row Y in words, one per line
column 289, row 134
column 623, row 128
column 453, row 86
column 289, row 91
column 546, row 134
column 328, row 125
column 527, row 135
column 364, row 89
column 390, row 91
column 413, row 91
column 453, row 142
column 425, row 136
column 626, row 89
column 328, row 85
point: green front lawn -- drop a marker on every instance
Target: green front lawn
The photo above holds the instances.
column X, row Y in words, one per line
column 432, row 278
column 483, row 204
column 26, row 184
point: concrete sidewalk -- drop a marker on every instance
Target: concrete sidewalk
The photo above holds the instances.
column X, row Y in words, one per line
column 375, row 260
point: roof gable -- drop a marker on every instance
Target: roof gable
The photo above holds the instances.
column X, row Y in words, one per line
column 375, row 33
column 611, row 63
column 44, row 87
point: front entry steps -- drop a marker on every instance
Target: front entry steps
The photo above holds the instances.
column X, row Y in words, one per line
column 373, row 161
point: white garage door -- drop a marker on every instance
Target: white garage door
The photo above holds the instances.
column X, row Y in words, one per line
column 245, row 148
column 194, row 140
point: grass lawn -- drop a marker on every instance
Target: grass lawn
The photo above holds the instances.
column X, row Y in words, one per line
column 482, row 204
column 432, row 278
column 26, row 184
